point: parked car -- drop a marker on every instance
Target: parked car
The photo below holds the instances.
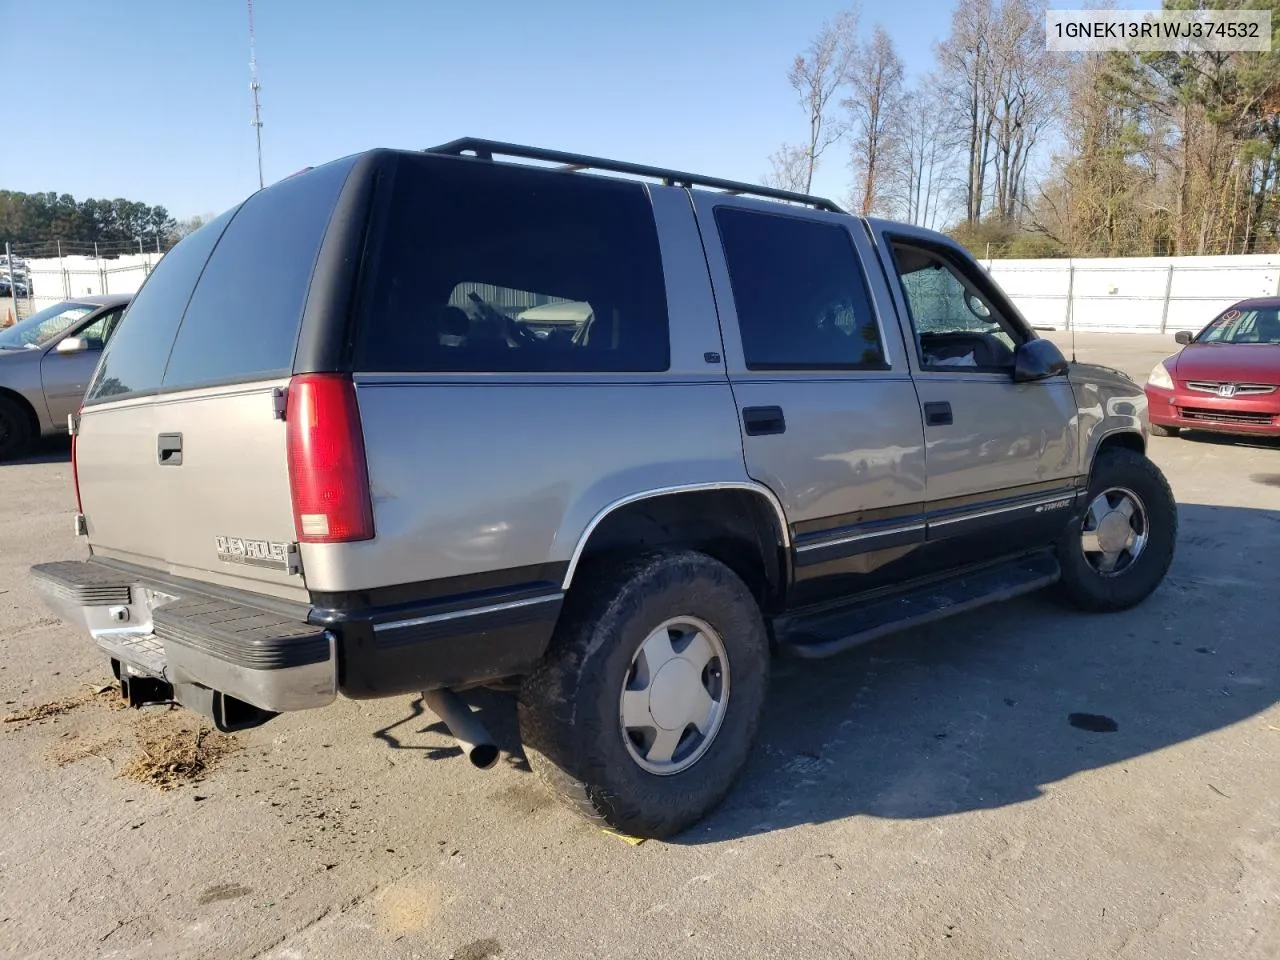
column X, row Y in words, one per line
column 14, row 286
column 46, row 361
column 1225, row 379
column 323, row 455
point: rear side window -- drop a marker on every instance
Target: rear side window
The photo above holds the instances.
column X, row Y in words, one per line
column 242, row 323
column 800, row 295
column 489, row 268
column 134, row 359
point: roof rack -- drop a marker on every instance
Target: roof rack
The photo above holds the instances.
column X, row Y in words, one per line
column 573, row 162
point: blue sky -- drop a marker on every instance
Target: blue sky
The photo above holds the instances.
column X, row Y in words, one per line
column 149, row 99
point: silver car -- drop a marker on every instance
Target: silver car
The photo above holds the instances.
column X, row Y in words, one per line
column 421, row 422
column 46, row 361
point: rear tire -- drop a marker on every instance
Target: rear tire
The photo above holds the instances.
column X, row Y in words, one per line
column 573, row 709
column 1112, row 576
column 1159, row 431
column 15, row 429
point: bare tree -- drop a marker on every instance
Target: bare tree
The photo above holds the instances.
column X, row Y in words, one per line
column 788, row 169
column 1022, row 96
column 875, row 81
column 817, row 76
column 965, row 62
column 190, row 225
column 917, row 178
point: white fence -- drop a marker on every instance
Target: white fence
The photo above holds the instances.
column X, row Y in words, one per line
column 55, row 279
column 1134, row 294
column 1120, row 295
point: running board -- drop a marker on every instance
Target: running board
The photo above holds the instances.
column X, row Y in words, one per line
column 861, row 621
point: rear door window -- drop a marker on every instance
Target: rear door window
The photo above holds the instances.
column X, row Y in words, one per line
column 242, row 322
column 799, row 292
column 134, row 359
column 487, row 267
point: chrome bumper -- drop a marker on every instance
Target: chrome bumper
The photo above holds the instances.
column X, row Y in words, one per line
column 233, row 647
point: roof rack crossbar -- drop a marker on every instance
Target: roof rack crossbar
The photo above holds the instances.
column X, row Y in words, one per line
column 487, row 149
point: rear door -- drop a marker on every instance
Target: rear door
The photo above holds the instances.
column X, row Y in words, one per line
column 829, row 416
column 220, row 440
column 205, row 456
column 121, row 488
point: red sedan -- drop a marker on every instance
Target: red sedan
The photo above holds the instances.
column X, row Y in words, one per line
column 1226, row 378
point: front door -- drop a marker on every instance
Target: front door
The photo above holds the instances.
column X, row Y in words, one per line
column 1000, row 457
column 65, row 376
column 829, row 416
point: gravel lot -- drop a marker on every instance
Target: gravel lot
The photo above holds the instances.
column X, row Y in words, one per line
column 921, row 797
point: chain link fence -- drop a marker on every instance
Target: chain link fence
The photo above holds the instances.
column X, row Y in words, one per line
column 35, row 276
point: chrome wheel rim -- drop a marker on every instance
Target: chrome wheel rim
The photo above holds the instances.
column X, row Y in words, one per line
column 674, row 696
column 1115, row 531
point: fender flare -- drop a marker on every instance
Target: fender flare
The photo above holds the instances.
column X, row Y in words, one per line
column 784, row 529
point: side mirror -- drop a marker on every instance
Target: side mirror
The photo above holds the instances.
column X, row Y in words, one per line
column 72, row 345
column 1184, row 336
column 978, row 308
column 1036, row 360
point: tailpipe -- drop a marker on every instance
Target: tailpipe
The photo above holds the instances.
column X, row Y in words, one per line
column 465, row 726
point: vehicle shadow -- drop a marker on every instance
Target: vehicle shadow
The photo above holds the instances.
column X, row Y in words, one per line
column 495, row 709
column 1230, row 439
column 45, row 450
column 991, row 708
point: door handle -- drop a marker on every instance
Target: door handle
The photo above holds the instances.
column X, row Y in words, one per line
column 762, row 421
column 937, row 414
column 169, row 449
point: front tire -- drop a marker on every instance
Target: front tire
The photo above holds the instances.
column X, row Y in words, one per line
column 642, row 713
column 1159, row 431
column 1122, row 548
column 15, row 429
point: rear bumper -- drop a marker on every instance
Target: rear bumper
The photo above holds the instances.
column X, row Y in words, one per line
column 279, row 656
column 270, row 658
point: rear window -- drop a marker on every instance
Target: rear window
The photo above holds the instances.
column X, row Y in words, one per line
column 134, row 360
column 242, row 323
column 488, row 268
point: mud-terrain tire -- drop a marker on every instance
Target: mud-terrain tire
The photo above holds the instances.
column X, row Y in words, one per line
column 574, row 710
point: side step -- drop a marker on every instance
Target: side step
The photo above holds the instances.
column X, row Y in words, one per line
column 833, row 631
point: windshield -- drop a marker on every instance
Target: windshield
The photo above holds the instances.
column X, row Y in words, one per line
column 39, row 328
column 1259, row 325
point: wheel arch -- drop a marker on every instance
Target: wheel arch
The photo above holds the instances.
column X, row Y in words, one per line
column 1118, row 439
column 716, row 518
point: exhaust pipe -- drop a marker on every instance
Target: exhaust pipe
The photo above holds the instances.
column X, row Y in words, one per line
column 465, row 726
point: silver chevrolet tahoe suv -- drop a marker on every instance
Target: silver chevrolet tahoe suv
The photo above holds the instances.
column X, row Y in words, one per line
column 609, row 435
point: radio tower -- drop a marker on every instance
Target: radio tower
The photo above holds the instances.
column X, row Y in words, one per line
column 254, row 87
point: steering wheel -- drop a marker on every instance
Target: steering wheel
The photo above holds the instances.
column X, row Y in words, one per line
column 515, row 332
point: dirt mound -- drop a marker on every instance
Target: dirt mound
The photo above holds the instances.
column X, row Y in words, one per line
column 175, row 751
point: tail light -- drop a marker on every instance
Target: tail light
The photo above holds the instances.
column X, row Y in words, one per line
column 74, row 430
column 328, row 475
